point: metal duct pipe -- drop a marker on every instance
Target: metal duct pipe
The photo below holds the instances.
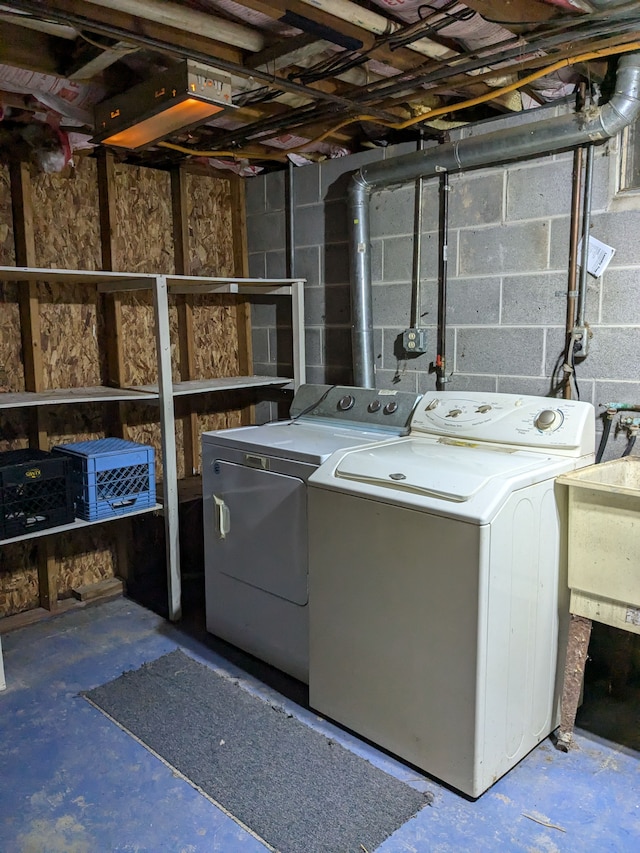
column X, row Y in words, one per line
column 517, row 143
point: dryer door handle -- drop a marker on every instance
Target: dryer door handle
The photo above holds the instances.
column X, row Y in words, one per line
column 222, row 516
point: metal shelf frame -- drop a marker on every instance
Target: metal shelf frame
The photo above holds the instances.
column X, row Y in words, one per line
column 165, row 391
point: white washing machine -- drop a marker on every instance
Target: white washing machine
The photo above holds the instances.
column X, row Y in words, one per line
column 437, row 582
column 255, row 514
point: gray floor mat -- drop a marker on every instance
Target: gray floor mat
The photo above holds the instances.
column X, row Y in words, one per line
column 295, row 788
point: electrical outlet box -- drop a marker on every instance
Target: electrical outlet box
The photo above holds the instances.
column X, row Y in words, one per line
column 414, row 341
column 580, row 340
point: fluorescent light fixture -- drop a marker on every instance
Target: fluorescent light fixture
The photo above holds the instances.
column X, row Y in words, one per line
column 179, row 98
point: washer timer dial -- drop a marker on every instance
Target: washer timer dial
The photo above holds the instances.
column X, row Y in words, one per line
column 548, row 420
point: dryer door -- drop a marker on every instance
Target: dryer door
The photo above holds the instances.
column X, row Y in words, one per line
column 258, row 528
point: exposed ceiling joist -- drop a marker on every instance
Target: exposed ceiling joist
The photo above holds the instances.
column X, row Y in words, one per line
column 30, row 49
column 325, row 73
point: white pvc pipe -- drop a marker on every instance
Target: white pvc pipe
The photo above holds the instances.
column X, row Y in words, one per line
column 378, row 24
column 190, row 20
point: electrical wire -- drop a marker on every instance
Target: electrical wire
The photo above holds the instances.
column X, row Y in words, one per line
column 438, row 111
column 573, row 372
column 122, row 51
column 239, row 154
column 313, row 405
column 347, row 60
column 423, row 27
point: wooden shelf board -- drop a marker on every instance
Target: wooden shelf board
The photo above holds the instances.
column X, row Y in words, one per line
column 197, row 281
column 114, row 281
column 225, row 383
column 255, row 288
column 140, row 280
column 75, row 525
column 58, row 396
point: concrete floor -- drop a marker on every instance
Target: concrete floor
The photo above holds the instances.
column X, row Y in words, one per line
column 72, row 782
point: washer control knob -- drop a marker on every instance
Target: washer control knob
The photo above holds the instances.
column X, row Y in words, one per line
column 431, row 405
column 390, row 408
column 484, row 408
column 547, row 419
column 345, row 403
column 454, row 413
column 374, row 406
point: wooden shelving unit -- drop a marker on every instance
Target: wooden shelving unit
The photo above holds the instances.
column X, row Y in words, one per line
column 165, row 390
column 75, row 525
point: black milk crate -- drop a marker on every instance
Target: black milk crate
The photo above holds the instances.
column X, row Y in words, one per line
column 110, row 477
column 35, row 492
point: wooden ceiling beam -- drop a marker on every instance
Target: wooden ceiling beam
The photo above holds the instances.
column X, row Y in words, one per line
column 402, row 59
column 34, row 51
column 140, row 26
column 280, row 50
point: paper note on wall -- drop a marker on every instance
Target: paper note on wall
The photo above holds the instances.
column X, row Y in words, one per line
column 598, row 257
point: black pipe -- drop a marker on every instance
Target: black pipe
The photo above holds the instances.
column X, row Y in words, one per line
column 629, row 447
column 416, row 288
column 606, row 429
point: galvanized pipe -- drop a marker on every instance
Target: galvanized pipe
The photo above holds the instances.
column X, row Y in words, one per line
column 441, row 359
column 291, row 227
column 513, row 144
column 586, row 228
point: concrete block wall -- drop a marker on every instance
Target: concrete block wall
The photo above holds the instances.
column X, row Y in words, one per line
column 507, row 274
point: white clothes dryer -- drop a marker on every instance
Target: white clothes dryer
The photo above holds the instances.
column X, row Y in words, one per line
column 255, row 514
column 438, row 591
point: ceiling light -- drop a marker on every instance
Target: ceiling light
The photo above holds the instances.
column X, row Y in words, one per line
column 182, row 97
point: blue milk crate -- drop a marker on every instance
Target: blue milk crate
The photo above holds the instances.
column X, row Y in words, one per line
column 110, row 477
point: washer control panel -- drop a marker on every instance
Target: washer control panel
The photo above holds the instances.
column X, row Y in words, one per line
column 534, row 422
column 367, row 407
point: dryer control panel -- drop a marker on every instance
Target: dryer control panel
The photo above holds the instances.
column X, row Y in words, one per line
column 560, row 426
column 366, row 407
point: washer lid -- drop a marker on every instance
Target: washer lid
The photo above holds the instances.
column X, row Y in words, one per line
column 441, row 469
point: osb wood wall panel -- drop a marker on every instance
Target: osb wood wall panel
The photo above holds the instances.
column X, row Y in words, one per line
column 11, row 372
column 19, row 588
column 143, row 242
column 66, row 220
column 86, row 558
column 67, row 236
column 210, row 228
column 211, row 251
